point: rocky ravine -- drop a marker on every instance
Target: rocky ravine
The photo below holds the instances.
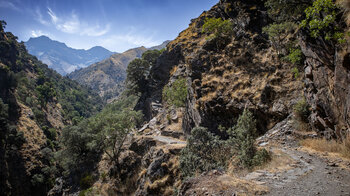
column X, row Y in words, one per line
column 223, row 77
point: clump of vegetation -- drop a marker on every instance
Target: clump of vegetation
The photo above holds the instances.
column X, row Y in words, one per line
column 86, row 181
column 286, row 10
column 203, row 152
column 278, row 32
column 301, row 114
column 105, row 132
column 321, row 21
column 301, row 110
column 295, row 56
column 242, row 138
column 295, row 72
column 176, row 94
column 138, row 71
column 217, row 27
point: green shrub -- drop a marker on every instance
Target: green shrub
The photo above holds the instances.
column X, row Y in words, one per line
column 217, row 26
column 37, row 180
column 278, row 32
column 86, row 182
column 301, row 110
column 203, row 152
column 242, row 139
column 176, row 94
column 286, row 10
column 261, row 157
column 321, row 21
column 86, row 192
column 295, row 56
column 295, row 72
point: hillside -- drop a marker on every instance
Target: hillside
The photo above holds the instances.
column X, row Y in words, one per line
column 251, row 99
column 107, row 77
column 36, row 103
column 63, row 59
column 239, row 103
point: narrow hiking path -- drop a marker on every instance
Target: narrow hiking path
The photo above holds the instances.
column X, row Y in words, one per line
column 307, row 174
column 168, row 140
column 299, row 171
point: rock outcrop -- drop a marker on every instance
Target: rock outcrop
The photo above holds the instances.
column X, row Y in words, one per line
column 327, row 79
column 226, row 75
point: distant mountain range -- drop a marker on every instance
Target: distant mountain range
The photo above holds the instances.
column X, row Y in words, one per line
column 107, row 77
column 62, row 58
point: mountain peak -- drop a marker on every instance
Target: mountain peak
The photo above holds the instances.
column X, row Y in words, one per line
column 62, row 58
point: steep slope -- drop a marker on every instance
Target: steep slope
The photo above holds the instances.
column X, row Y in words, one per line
column 225, row 75
column 107, row 77
column 36, row 103
column 62, row 58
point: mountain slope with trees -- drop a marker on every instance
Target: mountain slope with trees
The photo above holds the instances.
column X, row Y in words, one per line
column 107, row 77
column 36, row 104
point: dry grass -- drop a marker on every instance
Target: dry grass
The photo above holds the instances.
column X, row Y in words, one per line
column 332, row 146
column 280, row 161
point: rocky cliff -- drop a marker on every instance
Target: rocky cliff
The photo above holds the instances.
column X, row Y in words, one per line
column 224, row 75
column 327, row 78
column 240, row 71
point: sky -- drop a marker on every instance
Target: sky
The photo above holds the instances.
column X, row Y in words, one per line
column 117, row 25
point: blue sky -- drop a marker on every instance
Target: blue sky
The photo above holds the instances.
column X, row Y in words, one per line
column 117, row 25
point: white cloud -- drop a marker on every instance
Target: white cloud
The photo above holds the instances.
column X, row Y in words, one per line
column 73, row 25
column 39, row 17
column 37, row 33
column 10, row 5
column 120, row 43
column 53, row 16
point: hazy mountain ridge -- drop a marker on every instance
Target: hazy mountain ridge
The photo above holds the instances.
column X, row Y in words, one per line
column 107, row 77
column 62, row 58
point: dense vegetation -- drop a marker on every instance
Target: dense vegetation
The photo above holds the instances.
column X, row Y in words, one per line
column 82, row 144
column 138, row 71
column 176, row 93
column 26, row 81
column 205, row 152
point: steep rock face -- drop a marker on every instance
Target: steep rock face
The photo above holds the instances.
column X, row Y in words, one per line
column 327, row 79
column 225, row 75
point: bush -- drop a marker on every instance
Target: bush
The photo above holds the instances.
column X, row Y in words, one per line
column 301, row 110
column 86, row 181
column 295, row 56
column 295, row 72
column 278, row 32
column 321, row 21
column 242, row 139
column 37, row 180
column 176, row 94
column 217, row 26
column 203, row 152
column 262, row 156
column 286, row 10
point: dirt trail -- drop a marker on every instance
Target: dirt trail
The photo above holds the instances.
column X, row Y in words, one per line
column 309, row 175
column 168, row 140
column 305, row 173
